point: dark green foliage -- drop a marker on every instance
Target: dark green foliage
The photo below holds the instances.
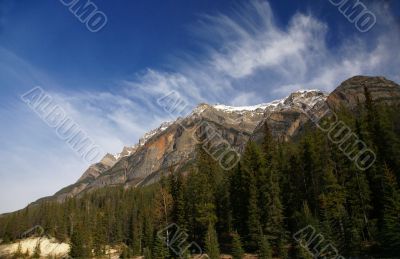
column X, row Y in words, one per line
column 391, row 214
column 277, row 189
column 160, row 249
column 265, row 251
column 237, row 248
column 211, row 243
column 147, row 253
column 80, row 243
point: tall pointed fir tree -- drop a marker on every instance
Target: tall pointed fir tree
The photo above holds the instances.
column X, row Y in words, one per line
column 201, row 190
column 239, row 198
column 237, row 248
column 333, row 212
column 265, row 250
column 211, row 243
column 80, row 245
column 253, row 174
column 390, row 232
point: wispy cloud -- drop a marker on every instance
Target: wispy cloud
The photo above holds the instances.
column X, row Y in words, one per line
column 247, row 59
column 249, row 55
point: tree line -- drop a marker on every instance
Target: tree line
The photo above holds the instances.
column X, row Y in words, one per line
column 275, row 190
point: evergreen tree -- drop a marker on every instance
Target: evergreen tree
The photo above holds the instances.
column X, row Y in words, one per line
column 268, row 144
column 265, row 251
column 79, row 243
column 201, row 194
column 333, row 212
column 177, row 191
column 301, row 252
column 310, row 174
column 273, row 215
column 160, row 248
column 237, row 249
column 391, row 214
column 239, row 198
column 147, row 253
column 211, row 243
column 253, row 222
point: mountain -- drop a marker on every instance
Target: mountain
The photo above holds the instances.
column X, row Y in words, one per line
column 171, row 147
column 351, row 91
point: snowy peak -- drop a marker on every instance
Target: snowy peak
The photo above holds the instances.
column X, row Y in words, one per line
column 240, row 108
column 305, row 97
column 296, row 99
column 126, row 151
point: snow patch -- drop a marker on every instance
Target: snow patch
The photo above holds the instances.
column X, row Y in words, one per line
column 298, row 98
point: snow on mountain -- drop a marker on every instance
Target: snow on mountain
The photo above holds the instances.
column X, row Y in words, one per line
column 240, row 108
column 296, row 99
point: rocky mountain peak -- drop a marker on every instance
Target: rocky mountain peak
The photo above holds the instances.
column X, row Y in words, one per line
column 172, row 144
column 108, row 160
column 351, row 92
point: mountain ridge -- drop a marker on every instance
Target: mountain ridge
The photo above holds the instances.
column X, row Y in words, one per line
column 171, row 146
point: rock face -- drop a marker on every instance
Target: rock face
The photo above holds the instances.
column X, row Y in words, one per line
column 287, row 118
column 351, row 91
column 172, row 145
column 48, row 247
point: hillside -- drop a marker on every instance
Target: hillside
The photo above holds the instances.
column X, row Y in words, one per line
column 298, row 178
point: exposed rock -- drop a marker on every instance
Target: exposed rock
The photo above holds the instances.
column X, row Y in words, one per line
column 48, row 247
column 172, row 145
column 351, row 91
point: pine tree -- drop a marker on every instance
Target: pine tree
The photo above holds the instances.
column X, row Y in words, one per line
column 268, row 144
column 79, row 243
column 136, row 234
column 391, row 214
column 147, row 253
column 202, row 185
column 332, row 206
column 253, row 222
column 301, row 252
column 211, row 242
column 252, row 174
column 358, row 201
column 273, row 215
column 265, row 251
column 177, row 191
column 239, row 198
column 160, row 248
column 99, row 235
column 271, row 209
column 310, row 174
column 237, row 249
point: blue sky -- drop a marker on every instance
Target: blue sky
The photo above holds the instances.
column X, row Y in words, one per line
column 231, row 52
